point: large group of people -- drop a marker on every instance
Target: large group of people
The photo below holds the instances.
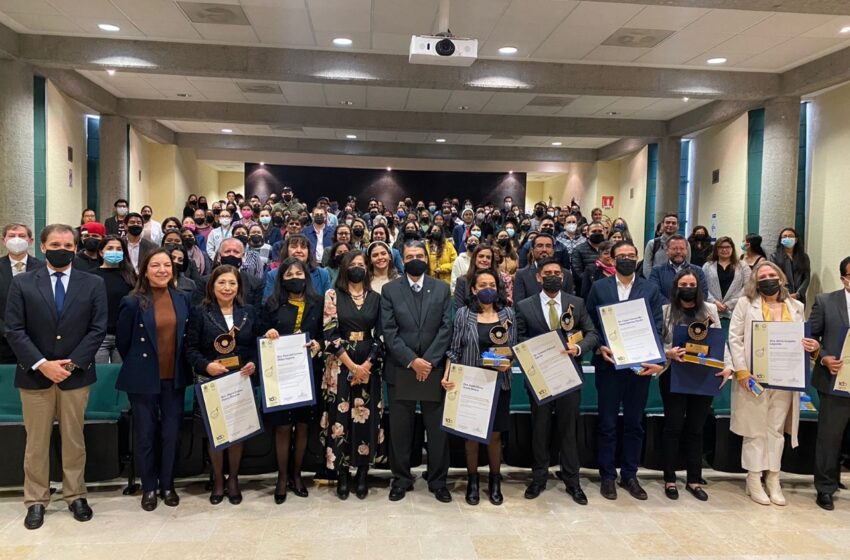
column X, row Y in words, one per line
column 395, row 295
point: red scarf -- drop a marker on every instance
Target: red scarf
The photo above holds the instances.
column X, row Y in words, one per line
column 610, row 270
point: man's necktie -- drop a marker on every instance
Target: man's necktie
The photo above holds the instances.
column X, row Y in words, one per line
column 554, row 321
column 19, row 267
column 59, row 292
column 416, row 288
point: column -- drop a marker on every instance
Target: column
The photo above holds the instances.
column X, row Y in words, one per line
column 17, row 202
column 779, row 168
column 667, row 190
column 114, row 164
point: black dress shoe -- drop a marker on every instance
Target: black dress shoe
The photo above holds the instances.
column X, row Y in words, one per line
column 280, row 498
column 702, row 482
column 170, row 498
column 342, row 490
column 472, row 490
column 697, row 492
column 81, row 510
column 397, row 493
column 235, row 498
column 534, row 489
column 634, row 488
column 300, row 492
column 361, row 490
column 494, row 490
column 216, row 499
column 149, row 501
column 608, row 489
column 442, row 495
column 824, row 500
column 672, row 492
column 578, row 495
column 35, row 517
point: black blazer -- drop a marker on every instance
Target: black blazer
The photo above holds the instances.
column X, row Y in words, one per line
column 282, row 319
column 35, row 332
column 531, row 322
column 135, row 339
column 828, row 321
column 6, row 354
column 408, row 335
column 252, row 288
column 206, row 322
column 525, row 282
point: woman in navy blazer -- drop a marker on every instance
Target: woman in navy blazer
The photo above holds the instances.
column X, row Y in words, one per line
column 222, row 310
column 149, row 336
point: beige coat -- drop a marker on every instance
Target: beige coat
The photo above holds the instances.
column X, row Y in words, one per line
column 749, row 412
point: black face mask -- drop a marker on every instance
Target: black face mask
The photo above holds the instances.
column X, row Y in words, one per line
column 232, row 261
column 356, row 274
column 171, row 246
column 257, row 241
column 295, row 285
column 242, row 238
column 625, row 267
column 504, row 242
column 769, row 287
column 319, row 219
column 146, row 217
column 411, row 235
column 59, row 258
column 539, row 212
column 91, row 244
column 688, row 294
column 550, row 231
column 596, row 238
column 552, row 284
column 189, row 242
column 338, row 260
column 434, row 236
column 200, row 221
column 202, row 205
column 525, row 227
column 287, row 197
column 277, row 221
column 216, row 211
column 135, row 230
column 180, row 267
column 357, row 232
column 415, row 267
column 256, row 209
column 193, row 203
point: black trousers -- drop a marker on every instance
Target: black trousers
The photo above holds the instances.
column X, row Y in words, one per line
column 833, row 416
column 615, row 388
column 402, row 417
column 156, row 420
column 564, row 412
column 684, row 416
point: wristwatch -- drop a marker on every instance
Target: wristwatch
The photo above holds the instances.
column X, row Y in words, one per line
column 70, row 367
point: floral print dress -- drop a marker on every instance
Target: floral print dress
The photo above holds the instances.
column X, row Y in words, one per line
column 351, row 426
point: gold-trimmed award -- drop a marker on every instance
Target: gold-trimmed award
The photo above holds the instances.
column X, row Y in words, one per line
column 568, row 321
column 499, row 334
column 225, row 345
column 697, row 332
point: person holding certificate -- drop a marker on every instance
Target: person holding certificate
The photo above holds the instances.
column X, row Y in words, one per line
column 486, row 323
column 829, row 321
column 294, row 307
column 550, row 310
column 682, row 411
column 761, row 418
column 623, row 387
column 222, row 337
column 149, row 336
column 352, row 385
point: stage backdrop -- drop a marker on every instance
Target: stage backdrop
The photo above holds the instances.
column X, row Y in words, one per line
column 337, row 183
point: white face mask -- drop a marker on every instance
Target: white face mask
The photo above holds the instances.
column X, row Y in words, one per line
column 224, row 221
column 17, row 245
column 121, row 211
column 571, row 228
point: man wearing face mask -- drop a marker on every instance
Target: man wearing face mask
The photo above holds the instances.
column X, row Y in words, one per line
column 656, row 250
column 417, row 327
column 288, row 203
column 526, row 281
column 90, row 236
column 586, row 254
column 536, row 315
column 622, row 388
column 232, row 252
column 137, row 246
column 538, row 215
column 18, row 239
column 461, row 232
column 117, row 224
column 663, row 274
column 319, row 233
column 56, row 319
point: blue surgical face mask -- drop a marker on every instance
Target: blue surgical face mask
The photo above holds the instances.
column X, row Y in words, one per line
column 476, row 234
column 788, row 242
column 113, row 257
column 510, row 231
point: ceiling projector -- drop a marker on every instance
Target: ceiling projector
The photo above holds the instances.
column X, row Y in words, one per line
column 443, row 50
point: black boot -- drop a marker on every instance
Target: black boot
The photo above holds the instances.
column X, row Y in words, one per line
column 472, row 489
column 342, row 484
column 495, row 490
column 362, row 489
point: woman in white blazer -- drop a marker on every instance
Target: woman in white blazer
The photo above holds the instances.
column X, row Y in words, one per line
column 725, row 278
column 685, row 414
column 763, row 420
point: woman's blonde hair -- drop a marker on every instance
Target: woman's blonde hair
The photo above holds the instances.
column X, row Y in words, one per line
column 752, row 288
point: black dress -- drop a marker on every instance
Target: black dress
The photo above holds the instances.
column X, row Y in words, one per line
column 502, row 422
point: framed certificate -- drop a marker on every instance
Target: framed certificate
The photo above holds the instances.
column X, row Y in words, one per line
column 841, row 381
column 228, row 409
column 549, row 373
column 470, row 408
column 286, row 372
column 778, row 358
column 704, row 349
column 630, row 333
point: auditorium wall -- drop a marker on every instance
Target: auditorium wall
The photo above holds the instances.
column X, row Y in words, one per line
column 630, row 195
column 66, row 180
column 140, row 184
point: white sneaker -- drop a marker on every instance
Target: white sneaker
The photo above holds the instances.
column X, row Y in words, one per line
column 774, row 489
column 755, row 490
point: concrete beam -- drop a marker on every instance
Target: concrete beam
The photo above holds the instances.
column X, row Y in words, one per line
column 9, row 42
column 334, row 67
column 79, row 88
column 708, row 115
column 829, row 7
column 363, row 119
column 154, row 130
column 824, row 72
column 623, row 147
column 385, row 149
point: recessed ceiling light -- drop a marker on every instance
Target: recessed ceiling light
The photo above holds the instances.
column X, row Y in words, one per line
column 557, row 143
column 108, row 27
column 612, row 113
column 508, row 50
column 227, row 130
column 389, row 168
column 511, row 172
column 342, row 42
column 463, row 108
column 111, row 72
column 351, row 136
column 686, row 99
column 717, row 60
column 346, row 102
column 262, row 163
column 440, row 140
column 184, row 95
column 845, row 29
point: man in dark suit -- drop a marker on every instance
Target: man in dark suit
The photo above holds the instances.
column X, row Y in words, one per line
column 18, row 239
column 622, row 387
column 677, row 255
column 55, row 321
column 536, row 315
column 829, row 321
column 526, row 283
column 137, row 246
column 320, row 234
column 416, row 321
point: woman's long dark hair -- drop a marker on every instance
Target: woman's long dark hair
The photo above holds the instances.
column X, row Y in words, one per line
column 220, row 270
column 392, row 271
column 677, row 312
column 281, row 296
column 798, row 255
column 473, row 303
column 342, row 280
column 715, row 253
column 126, row 267
column 755, row 240
column 334, row 248
column 440, row 241
column 470, row 272
column 143, row 289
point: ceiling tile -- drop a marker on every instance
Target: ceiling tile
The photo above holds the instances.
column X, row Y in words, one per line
column 786, row 25
column 525, row 24
column 362, row 40
column 34, row 7
column 412, row 137
column 335, row 94
column 403, row 17
column 391, row 43
column 683, row 46
column 471, row 138
column 832, row 28
column 427, row 99
column 747, row 44
column 507, row 103
column 269, row 98
column 587, row 105
column 281, row 25
column 344, row 16
column 475, row 18
column 607, row 53
column 626, row 105
column 226, row 33
column 158, row 18
column 791, row 53
column 571, row 43
column 46, row 23
column 303, row 94
column 727, row 21
column 665, row 17
column 92, row 9
column 732, row 60
column 381, row 135
column 386, row 98
column 602, row 14
column 475, row 100
column 90, row 25
column 539, row 110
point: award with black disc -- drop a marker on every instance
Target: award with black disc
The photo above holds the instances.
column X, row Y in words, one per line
column 703, row 359
column 225, row 346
